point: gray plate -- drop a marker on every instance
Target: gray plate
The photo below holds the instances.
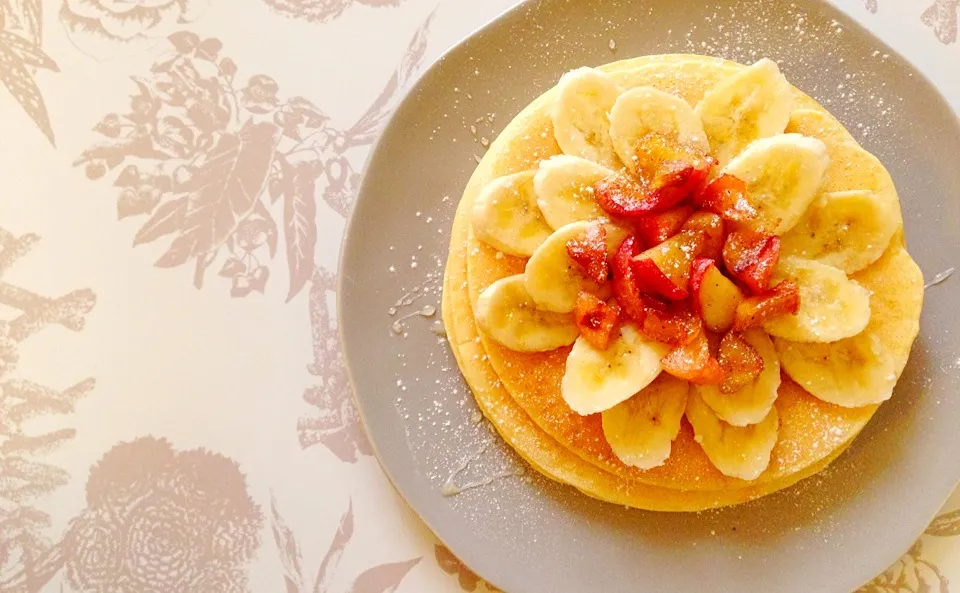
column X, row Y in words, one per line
column 832, row 532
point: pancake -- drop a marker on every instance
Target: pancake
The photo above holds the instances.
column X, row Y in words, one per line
column 520, row 393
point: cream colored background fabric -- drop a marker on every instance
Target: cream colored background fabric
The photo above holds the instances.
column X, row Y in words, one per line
column 174, row 412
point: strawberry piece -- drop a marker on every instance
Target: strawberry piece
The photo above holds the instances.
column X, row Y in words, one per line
column 712, row 227
column 664, row 269
column 596, row 319
column 589, row 251
column 713, row 295
column 622, row 196
column 727, row 196
column 693, row 362
column 677, row 180
column 784, row 299
column 625, row 286
column 751, row 257
column 657, row 228
column 673, row 324
column 741, row 362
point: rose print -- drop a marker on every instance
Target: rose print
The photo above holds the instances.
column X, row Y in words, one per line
column 158, row 520
column 96, row 26
column 321, row 11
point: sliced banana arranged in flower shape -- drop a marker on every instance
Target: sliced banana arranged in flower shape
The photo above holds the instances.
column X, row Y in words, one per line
column 506, row 216
column 783, row 174
column 846, row 229
column 581, row 115
column 564, row 187
column 596, row 380
column 752, row 403
column 641, row 430
column 863, row 369
column 752, row 104
column 737, row 451
column 832, row 306
column 645, row 111
column 506, row 313
column 553, row 279
column 835, row 346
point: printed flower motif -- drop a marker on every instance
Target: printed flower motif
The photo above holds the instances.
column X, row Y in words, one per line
column 260, row 94
column 941, row 16
column 321, row 11
column 911, row 574
column 96, row 26
column 158, row 520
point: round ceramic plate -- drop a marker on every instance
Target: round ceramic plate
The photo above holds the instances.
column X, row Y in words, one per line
column 832, row 532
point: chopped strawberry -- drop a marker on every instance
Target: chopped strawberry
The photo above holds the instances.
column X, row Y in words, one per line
column 664, row 269
column 657, row 228
column 596, row 319
column 589, row 251
column 784, row 299
column 654, row 281
column 623, row 196
column 673, row 324
column 741, row 362
column 712, row 227
column 693, row 362
column 751, row 257
column 625, row 285
column 677, row 180
column 714, row 296
column 727, row 196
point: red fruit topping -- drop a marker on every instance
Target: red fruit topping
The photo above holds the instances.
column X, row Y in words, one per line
column 712, row 227
column 741, row 362
column 656, row 228
column 596, row 319
column 589, row 251
column 751, row 257
column 727, row 196
column 665, row 268
column 693, row 362
column 625, row 286
column 784, row 299
column 713, row 295
column 674, row 324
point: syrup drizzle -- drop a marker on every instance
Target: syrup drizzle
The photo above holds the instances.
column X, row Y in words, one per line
column 941, row 277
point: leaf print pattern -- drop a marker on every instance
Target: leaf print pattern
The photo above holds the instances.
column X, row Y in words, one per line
column 467, row 579
column 321, row 11
column 946, row 525
column 158, row 520
column 21, row 56
column 941, row 16
column 28, row 559
column 336, row 422
column 204, row 158
column 383, row 578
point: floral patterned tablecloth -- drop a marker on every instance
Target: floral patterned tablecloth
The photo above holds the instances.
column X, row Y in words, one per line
column 174, row 411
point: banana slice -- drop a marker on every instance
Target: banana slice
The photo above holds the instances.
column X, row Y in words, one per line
column 737, row 451
column 596, row 380
column 846, row 229
column 832, row 307
column 564, row 187
column 507, row 314
column 505, row 215
column 553, row 279
column 581, row 121
column 783, row 174
column 645, row 110
column 751, row 404
column 863, row 370
column 641, row 429
column 754, row 103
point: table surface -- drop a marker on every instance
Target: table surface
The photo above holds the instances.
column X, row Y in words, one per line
column 174, row 411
